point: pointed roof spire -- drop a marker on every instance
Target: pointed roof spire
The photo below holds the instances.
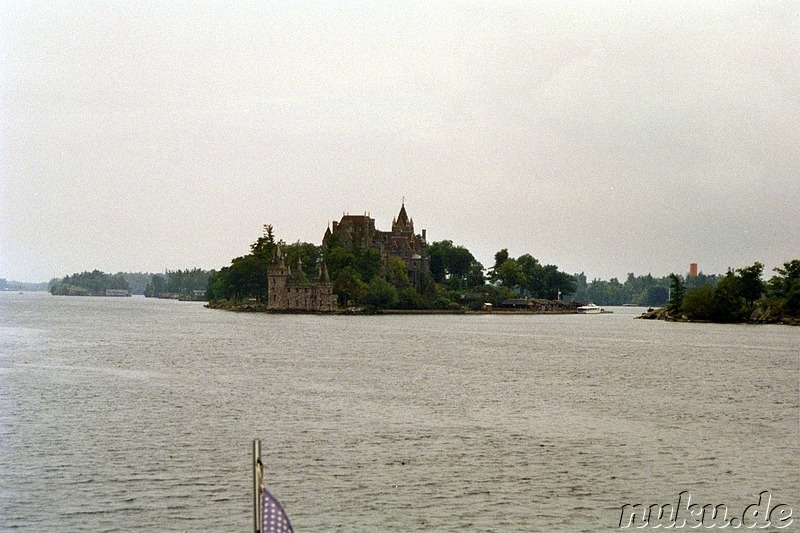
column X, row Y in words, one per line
column 277, row 255
column 402, row 218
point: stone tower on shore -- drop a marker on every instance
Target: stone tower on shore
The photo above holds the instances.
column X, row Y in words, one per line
column 286, row 294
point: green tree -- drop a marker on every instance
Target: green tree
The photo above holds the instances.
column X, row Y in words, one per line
column 785, row 280
column 582, row 288
column 137, row 281
column 426, row 286
column 459, row 262
column 349, row 286
column 475, row 277
column 409, row 298
column 727, row 305
column 698, row 303
column 247, row 278
column 338, row 259
column 555, row 282
column 531, row 275
column 381, row 294
column 437, row 256
column 185, row 282
column 499, row 258
column 510, row 274
column 452, row 264
column 156, row 287
column 397, row 272
column 308, row 254
column 368, row 262
column 656, row 295
column 219, row 287
column 264, row 247
column 677, row 291
column 751, row 285
column 701, row 279
column 785, row 285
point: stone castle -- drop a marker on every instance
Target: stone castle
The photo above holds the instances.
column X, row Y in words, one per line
column 400, row 242
column 293, row 292
column 288, row 292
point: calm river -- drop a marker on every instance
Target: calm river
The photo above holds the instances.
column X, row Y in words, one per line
column 138, row 414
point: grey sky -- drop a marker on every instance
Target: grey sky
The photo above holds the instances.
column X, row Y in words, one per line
column 601, row 137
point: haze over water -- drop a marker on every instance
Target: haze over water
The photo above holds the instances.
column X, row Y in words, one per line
column 139, row 414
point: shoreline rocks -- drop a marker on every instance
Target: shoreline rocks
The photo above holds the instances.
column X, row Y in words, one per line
column 761, row 315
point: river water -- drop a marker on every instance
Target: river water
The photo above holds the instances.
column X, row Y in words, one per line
column 139, row 414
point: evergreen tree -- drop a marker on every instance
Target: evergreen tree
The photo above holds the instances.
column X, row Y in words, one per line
column 751, row 285
column 677, row 290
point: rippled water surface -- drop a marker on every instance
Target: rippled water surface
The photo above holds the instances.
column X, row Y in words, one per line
column 139, row 414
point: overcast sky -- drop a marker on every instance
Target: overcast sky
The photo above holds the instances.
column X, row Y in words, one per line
column 601, row 137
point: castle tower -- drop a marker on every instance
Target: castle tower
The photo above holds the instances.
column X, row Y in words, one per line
column 326, row 301
column 277, row 281
column 402, row 224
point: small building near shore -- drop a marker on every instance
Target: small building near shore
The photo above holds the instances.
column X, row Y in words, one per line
column 537, row 305
column 117, row 292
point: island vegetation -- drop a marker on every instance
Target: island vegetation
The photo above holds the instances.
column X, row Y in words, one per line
column 137, row 280
column 740, row 295
column 179, row 284
column 645, row 291
column 454, row 281
column 94, row 283
column 189, row 284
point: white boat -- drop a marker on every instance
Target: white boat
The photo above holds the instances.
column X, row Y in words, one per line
column 590, row 309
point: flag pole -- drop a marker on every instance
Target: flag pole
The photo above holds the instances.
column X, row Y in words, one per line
column 257, row 473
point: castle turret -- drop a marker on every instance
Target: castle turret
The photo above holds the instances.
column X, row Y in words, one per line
column 277, row 280
column 299, row 274
column 277, row 255
column 402, row 223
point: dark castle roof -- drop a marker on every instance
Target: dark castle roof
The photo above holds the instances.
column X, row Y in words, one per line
column 402, row 218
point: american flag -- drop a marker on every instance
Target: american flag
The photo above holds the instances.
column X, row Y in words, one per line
column 273, row 517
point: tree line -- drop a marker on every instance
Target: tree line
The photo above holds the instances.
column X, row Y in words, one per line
column 525, row 275
column 455, row 278
column 360, row 278
column 178, row 283
column 94, row 283
column 646, row 291
column 740, row 295
column 173, row 283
